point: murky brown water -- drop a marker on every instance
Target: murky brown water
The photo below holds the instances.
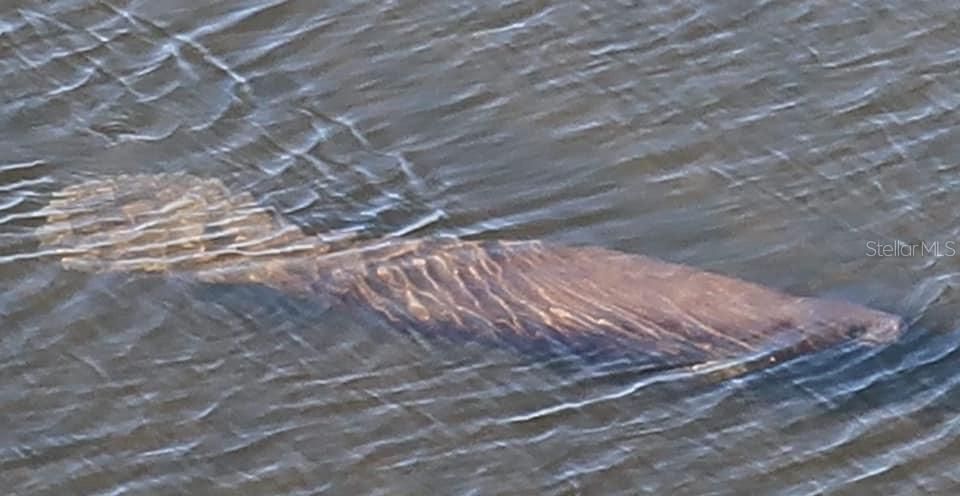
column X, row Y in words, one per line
column 768, row 140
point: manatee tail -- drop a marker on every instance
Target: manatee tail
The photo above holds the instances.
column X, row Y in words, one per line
column 163, row 223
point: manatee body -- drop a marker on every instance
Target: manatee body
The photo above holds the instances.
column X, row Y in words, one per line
column 531, row 295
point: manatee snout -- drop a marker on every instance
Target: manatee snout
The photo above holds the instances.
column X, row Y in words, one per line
column 883, row 329
column 842, row 321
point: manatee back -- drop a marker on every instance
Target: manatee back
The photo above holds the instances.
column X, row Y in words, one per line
column 539, row 296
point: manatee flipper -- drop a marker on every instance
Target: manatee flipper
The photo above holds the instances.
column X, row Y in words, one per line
column 164, row 223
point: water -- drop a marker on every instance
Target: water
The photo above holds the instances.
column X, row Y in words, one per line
column 767, row 140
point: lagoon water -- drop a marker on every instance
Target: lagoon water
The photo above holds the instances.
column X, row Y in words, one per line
column 774, row 141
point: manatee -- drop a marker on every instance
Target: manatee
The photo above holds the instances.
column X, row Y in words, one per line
column 532, row 296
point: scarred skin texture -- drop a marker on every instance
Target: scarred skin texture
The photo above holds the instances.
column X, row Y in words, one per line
column 530, row 295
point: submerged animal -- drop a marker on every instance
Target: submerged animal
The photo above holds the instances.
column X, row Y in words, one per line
column 532, row 295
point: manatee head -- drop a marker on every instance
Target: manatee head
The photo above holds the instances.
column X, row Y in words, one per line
column 838, row 321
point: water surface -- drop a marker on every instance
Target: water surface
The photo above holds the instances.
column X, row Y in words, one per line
column 767, row 140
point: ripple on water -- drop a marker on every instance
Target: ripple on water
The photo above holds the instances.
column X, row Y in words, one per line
column 769, row 142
